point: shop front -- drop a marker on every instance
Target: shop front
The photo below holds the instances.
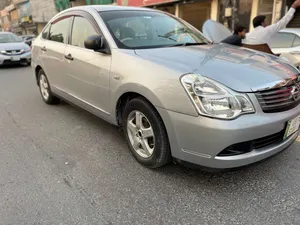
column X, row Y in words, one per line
column 194, row 12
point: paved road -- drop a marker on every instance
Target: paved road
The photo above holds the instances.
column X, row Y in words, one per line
column 60, row 165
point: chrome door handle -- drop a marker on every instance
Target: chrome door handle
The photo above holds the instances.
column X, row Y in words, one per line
column 69, row 57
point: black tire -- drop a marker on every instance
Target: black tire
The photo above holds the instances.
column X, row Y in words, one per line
column 161, row 154
column 51, row 100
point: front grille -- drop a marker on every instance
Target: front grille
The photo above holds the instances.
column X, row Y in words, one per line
column 248, row 146
column 13, row 52
column 268, row 140
column 280, row 99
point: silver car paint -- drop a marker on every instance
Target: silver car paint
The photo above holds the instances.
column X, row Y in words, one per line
column 155, row 74
column 15, row 46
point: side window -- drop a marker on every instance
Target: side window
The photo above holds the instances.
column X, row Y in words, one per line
column 282, row 40
column 296, row 42
column 82, row 29
column 59, row 30
column 45, row 34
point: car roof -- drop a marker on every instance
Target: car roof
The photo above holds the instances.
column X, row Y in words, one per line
column 101, row 8
column 291, row 30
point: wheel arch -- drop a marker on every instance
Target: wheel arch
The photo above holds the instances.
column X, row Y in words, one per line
column 126, row 96
column 36, row 71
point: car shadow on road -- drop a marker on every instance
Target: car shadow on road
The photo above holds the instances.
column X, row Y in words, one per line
column 13, row 66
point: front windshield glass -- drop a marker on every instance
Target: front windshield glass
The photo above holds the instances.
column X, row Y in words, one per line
column 149, row 29
column 9, row 38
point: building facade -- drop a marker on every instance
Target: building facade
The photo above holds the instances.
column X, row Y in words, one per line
column 5, row 20
column 195, row 12
column 30, row 16
column 228, row 12
column 42, row 11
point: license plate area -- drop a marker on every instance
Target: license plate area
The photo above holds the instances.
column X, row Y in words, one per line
column 15, row 58
column 291, row 127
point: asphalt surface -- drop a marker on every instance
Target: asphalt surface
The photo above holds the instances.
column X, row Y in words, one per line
column 60, row 165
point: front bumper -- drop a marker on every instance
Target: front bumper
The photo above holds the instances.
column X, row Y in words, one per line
column 199, row 140
column 15, row 59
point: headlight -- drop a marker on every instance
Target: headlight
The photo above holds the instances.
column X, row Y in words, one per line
column 26, row 50
column 213, row 99
column 2, row 52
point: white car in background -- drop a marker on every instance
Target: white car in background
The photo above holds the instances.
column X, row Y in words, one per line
column 286, row 41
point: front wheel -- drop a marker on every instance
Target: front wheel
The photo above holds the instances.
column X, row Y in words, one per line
column 146, row 134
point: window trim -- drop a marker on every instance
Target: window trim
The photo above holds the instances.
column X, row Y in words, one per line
column 46, row 27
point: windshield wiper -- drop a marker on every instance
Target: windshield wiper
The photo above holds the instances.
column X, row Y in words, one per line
column 162, row 36
column 187, row 44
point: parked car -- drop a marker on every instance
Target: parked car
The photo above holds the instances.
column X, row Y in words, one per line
column 287, row 41
column 28, row 39
column 174, row 94
column 13, row 50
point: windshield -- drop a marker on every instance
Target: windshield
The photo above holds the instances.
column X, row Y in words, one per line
column 9, row 38
column 148, row 29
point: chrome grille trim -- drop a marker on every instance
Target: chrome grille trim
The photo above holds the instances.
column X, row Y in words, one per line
column 279, row 99
column 12, row 52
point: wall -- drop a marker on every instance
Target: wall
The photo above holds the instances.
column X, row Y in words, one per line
column 214, row 10
column 42, row 10
column 78, row 3
column 40, row 27
column 196, row 13
column 14, row 15
column 263, row 7
column 24, row 9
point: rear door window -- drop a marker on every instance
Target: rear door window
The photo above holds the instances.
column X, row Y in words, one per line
column 60, row 29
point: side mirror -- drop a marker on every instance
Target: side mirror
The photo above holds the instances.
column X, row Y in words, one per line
column 95, row 42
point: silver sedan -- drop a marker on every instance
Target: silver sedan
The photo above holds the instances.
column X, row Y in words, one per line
column 176, row 95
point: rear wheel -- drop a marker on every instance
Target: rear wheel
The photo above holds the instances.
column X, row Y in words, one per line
column 45, row 89
column 146, row 134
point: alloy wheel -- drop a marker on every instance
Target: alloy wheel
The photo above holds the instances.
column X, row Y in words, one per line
column 141, row 134
column 44, row 87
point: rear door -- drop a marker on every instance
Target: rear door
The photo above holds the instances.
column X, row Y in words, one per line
column 88, row 71
column 52, row 50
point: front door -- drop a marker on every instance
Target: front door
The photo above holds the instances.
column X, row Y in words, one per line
column 88, row 71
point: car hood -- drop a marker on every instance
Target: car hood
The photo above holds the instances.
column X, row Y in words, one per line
column 240, row 69
column 13, row 46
